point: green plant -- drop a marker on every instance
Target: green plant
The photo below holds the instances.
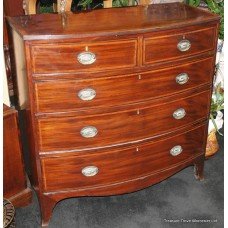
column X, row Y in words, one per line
column 121, row 3
column 217, row 104
column 46, row 7
column 215, row 6
column 79, row 5
column 84, row 3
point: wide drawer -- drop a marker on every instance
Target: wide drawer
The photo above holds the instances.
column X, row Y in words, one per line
column 65, row 95
column 79, row 132
column 84, row 170
column 177, row 46
column 84, row 57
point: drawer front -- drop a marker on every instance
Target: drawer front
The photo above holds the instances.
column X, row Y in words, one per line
column 87, row 57
column 87, row 132
column 66, row 95
column 177, row 46
column 90, row 170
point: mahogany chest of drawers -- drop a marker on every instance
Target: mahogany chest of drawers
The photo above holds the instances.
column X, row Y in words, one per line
column 116, row 99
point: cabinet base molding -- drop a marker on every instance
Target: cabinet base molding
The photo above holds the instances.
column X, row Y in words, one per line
column 21, row 199
column 49, row 200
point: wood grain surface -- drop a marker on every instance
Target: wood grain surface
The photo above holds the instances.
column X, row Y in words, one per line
column 113, row 21
column 65, row 172
column 134, row 78
column 120, row 127
column 14, row 178
column 62, row 58
column 63, row 95
column 164, row 48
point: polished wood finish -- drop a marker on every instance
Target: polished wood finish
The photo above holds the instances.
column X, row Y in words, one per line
column 148, row 123
column 134, row 77
column 62, row 95
column 13, row 8
column 146, row 19
column 64, row 56
column 5, row 33
column 15, row 186
column 114, row 165
column 164, row 48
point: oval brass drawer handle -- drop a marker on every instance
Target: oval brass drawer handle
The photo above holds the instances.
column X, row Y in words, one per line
column 179, row 113
column 90, row 171
column 182, row 78
column 184, row 45
column 176, row 150
column 88, row 132
column 87, row 94
column 86, row 58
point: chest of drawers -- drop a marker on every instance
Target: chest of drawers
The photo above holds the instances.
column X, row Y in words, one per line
column 117, row 105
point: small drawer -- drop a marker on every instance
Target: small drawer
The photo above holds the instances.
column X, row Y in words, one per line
column 84, row 57
column 78, row 132
column 84, row 170
column 158, row 49
column 68, row 95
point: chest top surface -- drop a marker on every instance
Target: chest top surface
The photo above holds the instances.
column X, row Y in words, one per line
column 113, row 21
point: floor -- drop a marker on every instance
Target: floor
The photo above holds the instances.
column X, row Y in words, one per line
column 180, row 201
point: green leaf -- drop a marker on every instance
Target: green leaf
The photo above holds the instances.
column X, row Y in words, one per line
column 194, row 2
column 215, row 125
